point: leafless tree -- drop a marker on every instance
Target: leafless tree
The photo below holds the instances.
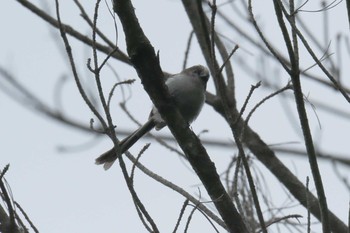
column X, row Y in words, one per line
column 240, row 192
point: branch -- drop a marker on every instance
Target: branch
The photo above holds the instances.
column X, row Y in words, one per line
column 146, row 63
column 293, row 52
column 7, row 221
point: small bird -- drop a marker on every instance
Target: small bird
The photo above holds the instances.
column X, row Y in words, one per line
column 188, row 91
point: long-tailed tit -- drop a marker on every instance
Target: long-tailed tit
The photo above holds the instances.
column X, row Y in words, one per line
column 188, row 91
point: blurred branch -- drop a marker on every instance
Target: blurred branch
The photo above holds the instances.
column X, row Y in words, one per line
column 90, row 23
column 271, row 51
column 118, row 54
column 29, row 100
column 348, row 11
column 313, row 55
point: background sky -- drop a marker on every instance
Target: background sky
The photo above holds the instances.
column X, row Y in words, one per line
column 52, row 172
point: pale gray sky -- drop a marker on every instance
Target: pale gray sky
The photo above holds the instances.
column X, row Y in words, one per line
column 67, row 192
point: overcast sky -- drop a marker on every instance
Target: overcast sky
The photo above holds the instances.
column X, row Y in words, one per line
column 52, row 172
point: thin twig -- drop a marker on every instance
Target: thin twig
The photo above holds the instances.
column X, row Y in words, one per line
column 111, row 92
column 4, row 170
column 75, row 74
column 177, row 189
column 314, row 57
column 209, row 220
column 132, row 173
column 292, row 47
column 250, row 182
column 26, row 217
column 308, row 205
column 251, row 91
column 287, row 87
column 228, row 58
column 11, row 212
column 190, row 218
column 263, row 38
column 283, row 218
column 187, row 51
column 182, row 211
column 90, row 23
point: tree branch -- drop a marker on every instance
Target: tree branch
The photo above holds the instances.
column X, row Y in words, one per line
column 146, row 63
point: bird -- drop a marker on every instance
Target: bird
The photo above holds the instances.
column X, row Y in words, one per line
column 187, row 89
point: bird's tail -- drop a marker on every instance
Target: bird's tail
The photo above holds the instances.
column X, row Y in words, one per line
column 110, row 156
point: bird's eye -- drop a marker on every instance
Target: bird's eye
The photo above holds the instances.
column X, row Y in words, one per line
column 197, row 72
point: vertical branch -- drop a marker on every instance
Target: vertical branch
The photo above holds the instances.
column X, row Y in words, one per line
column 325, row 26
column 187, row 51
column 308, row 206
column 262, row 37
column 230, row 118
column 218, row 78
column 212, row 33
column 292, row 47
column 348, row 11
column 10, row 224
column 97, row 70
column 250, row 182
